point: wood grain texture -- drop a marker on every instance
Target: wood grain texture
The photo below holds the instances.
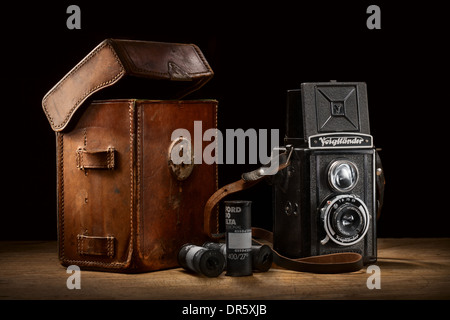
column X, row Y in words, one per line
column 410, row 269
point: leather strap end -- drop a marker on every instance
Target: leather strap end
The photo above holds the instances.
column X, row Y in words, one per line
column 332, row 263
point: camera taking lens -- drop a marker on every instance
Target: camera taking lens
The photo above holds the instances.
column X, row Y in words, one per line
column 346, row 220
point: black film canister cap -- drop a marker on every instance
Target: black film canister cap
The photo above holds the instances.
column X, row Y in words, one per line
column 262, row 258
column 211, row 263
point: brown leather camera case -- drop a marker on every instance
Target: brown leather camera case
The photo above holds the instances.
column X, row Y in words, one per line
column 123, row 205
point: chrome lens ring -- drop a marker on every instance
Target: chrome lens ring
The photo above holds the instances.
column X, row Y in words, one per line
column 343, row 175
column 339, row 210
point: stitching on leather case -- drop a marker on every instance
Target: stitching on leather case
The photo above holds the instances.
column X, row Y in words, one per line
column 217, row 171
column 131, row 113
column 110, row 246
column 61, row 193
column 138, row 184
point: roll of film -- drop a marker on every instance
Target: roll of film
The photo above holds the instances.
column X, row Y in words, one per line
column 207, row 262
column 238, row 233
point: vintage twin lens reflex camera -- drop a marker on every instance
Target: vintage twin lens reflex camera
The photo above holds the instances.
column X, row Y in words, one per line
column 325, row 200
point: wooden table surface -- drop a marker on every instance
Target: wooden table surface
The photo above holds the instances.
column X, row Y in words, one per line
column 409, row 269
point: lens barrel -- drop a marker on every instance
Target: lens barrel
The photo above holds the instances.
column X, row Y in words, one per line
column 346, row 219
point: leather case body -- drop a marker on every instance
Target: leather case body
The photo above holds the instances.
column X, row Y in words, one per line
column 123, row 205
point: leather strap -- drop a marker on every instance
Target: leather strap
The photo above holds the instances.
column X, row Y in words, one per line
column 211, row 222
column 329, row 263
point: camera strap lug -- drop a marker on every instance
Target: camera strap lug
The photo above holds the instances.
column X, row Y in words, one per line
column 380, row 182
column 267, row 169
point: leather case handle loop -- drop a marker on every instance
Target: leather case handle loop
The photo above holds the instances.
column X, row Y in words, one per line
column 97, row 246
column 96, row 159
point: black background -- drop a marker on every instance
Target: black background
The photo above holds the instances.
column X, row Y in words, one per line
column 257, row 51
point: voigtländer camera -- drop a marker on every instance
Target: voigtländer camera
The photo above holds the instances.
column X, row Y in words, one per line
column 326, row 200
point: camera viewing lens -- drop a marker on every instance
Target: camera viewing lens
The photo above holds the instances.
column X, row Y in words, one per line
column 346, row 219
column 342, row 175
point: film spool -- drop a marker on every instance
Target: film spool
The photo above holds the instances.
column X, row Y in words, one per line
column 201, row 260
column 238, row 234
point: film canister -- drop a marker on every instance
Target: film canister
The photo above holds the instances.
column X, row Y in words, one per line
column 221, row 247
column 262, row 255
column 201, row 260
column 238, row 233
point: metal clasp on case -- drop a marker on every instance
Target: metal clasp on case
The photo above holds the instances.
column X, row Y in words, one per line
column 181, row 158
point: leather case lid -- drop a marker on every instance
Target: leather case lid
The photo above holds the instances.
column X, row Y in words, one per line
column 112, row 59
